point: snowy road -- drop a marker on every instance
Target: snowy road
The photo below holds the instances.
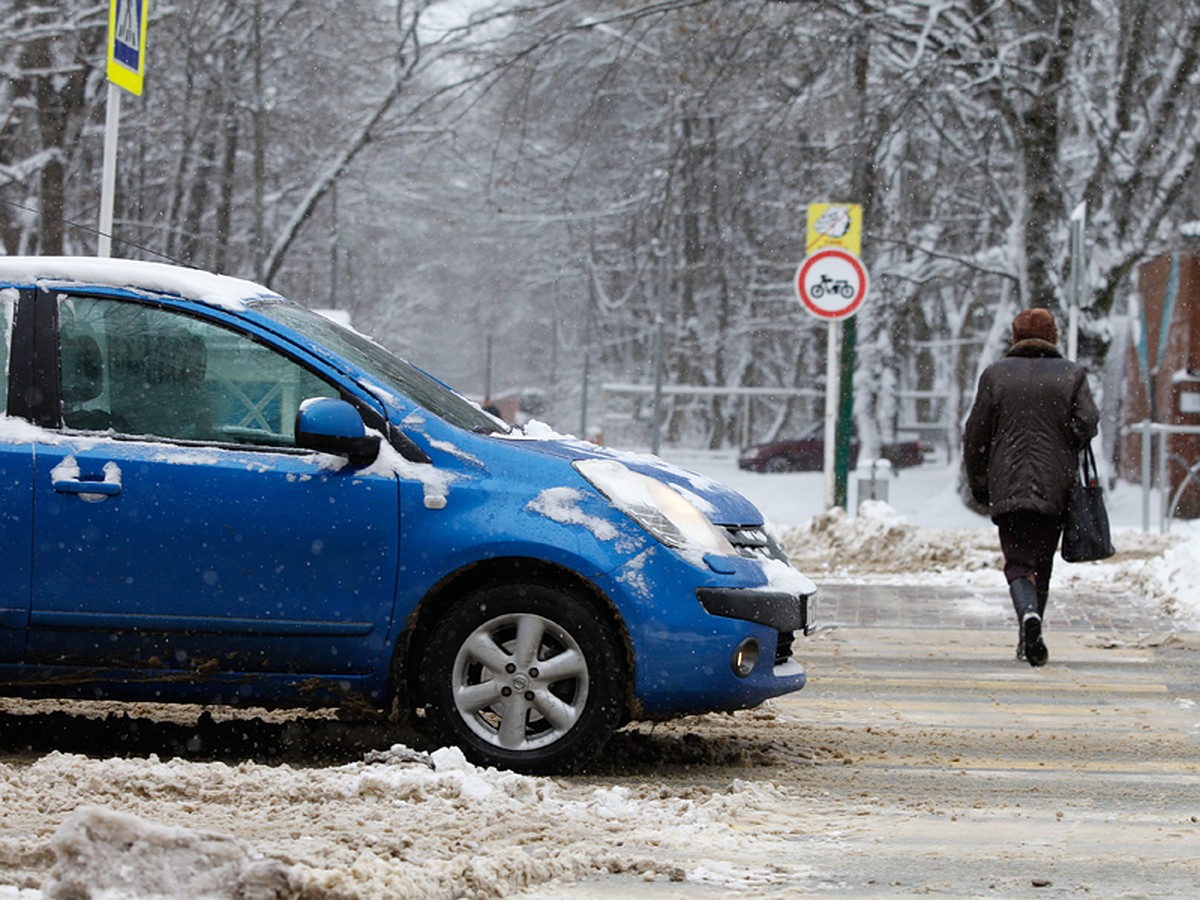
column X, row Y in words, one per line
column 917, row 760
column 920, row 758
column 924, row 761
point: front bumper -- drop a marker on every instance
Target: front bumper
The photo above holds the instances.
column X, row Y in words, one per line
column 692, row 624
column 776, row 609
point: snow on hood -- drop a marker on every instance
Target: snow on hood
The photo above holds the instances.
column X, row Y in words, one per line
column 722, row 504
column 50, row 272
column 562, row 504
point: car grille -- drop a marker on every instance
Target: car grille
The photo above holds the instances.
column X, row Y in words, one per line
column 754, row 543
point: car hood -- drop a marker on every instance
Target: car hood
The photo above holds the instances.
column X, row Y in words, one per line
column 723, row 505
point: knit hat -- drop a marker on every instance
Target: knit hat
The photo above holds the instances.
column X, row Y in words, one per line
column 1034, row 324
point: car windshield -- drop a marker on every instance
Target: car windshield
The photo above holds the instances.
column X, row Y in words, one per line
column 397, row 375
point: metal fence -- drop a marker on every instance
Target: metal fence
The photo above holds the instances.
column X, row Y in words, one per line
column 1167, row 504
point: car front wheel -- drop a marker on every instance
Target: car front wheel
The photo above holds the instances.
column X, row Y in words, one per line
column 523, row 677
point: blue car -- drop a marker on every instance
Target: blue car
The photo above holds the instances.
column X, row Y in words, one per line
column 211, row 495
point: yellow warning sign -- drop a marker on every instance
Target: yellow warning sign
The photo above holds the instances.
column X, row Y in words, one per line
column 834, row 225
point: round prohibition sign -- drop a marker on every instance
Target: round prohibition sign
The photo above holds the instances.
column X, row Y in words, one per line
column 832, row 283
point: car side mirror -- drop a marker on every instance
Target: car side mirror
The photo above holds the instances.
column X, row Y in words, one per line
column 328, row 425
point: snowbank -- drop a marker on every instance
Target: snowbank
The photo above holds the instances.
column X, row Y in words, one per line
column 880, row 545
column 397, row 824
column 1173, row 580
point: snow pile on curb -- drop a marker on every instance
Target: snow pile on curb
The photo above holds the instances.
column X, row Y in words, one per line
column 1173, row 580
column 881, row 540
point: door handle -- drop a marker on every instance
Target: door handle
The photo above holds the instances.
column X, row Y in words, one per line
column 105, row 488
column 65, row 478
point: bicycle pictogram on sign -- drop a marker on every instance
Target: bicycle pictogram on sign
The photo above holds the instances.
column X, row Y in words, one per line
column 832, row 283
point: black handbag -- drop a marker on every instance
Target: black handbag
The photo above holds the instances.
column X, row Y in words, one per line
column 1086, row 536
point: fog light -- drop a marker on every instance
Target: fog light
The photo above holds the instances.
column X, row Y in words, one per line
column 745, row 657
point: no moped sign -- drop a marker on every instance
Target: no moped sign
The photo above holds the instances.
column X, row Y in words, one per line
column 832, row 283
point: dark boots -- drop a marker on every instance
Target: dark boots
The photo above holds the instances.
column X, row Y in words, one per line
column 1042, row 598
column 1029, row 605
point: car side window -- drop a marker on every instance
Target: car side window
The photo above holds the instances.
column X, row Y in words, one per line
column 143, row 370
column 7, row 302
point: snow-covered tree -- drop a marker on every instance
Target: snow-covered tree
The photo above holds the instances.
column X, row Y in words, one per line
column 473, row 180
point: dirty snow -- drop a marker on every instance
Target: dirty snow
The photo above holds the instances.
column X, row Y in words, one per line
column 396, row 824
column 401, row 823
column 97, row 846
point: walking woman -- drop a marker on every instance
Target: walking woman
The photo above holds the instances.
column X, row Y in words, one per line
column 1033, row 413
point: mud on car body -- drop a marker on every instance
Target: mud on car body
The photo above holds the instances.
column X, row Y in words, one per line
column 213, row 495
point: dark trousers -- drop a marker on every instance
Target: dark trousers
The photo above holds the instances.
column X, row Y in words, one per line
column 1029, row 540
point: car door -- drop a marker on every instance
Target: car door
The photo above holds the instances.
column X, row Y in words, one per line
column 16, row 503
column 178, row 527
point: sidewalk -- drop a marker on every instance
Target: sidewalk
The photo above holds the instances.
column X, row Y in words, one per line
column 972, row 608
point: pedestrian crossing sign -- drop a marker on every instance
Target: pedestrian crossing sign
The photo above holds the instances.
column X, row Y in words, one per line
column 127, row 43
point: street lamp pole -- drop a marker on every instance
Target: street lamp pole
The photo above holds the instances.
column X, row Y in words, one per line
column 660, row 252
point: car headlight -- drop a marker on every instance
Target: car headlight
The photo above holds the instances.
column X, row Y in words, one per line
column 657, row 507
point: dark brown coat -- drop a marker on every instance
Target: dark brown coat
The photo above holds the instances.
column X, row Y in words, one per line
column 1033, row 412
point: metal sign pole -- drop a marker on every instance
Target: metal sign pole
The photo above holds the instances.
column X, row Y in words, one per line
column 832, row 394
column 126, row 69
column 112, row 119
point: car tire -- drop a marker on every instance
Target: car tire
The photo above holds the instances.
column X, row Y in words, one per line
column 523, row 677
column 778, row 464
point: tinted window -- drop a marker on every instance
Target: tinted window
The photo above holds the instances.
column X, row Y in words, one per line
column 142, row 370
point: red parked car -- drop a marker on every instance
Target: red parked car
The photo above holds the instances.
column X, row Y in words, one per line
column 806, row 453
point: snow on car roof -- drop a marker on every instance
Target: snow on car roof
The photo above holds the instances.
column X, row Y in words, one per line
column 51, row 271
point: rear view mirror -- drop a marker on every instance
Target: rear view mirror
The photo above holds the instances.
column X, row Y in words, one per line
column 334, row 426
